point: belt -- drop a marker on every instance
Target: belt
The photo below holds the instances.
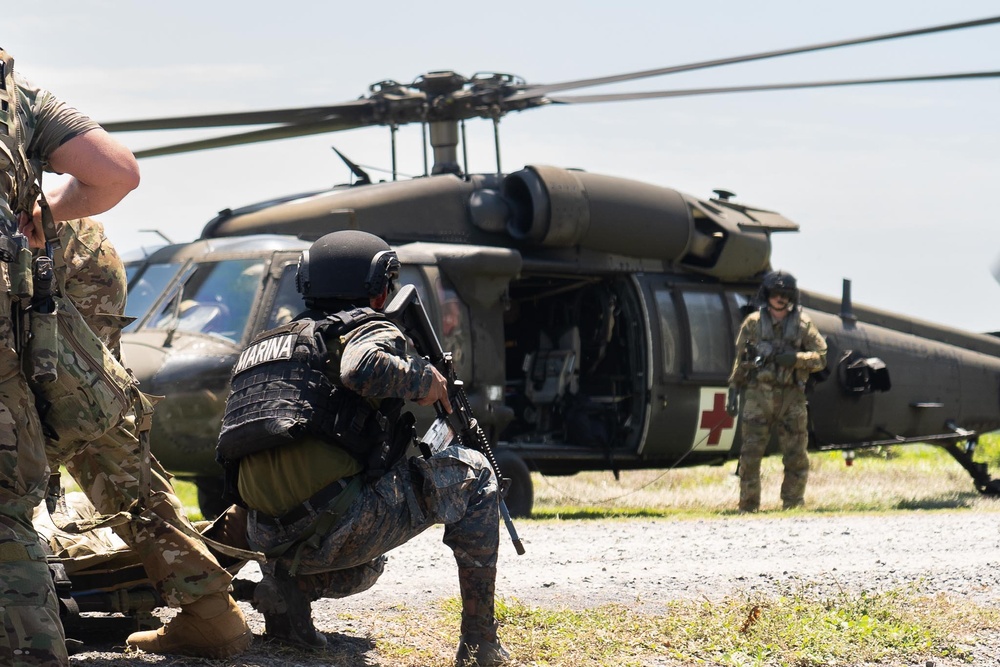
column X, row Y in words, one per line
column 315, row 502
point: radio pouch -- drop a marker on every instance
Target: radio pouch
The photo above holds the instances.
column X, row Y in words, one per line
column 92, row 390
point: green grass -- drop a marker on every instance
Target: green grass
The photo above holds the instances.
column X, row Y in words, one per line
column 799, row 628
column 883, row 480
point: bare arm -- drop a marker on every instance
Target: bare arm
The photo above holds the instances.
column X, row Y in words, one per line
column 102, row 172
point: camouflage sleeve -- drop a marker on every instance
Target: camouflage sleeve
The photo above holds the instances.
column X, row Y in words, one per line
column 738, row 378
column 50, row 122
column 374, row 363
column 812, row 358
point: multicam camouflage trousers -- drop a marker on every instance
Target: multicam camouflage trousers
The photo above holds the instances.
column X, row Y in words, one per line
column 455, row 487
column 109, row 470
column 781, row 411
column 30, row 630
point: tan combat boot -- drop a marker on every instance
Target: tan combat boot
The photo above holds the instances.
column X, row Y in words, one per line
column 210, row 627
column 479, row 645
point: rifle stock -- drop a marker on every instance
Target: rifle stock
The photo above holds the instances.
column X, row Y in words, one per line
column 407, row 311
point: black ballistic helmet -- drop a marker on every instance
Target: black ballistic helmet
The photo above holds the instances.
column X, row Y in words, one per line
column 779, row 282
column 346, row 266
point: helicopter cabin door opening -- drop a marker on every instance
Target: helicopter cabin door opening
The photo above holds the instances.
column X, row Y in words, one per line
column 576, row 370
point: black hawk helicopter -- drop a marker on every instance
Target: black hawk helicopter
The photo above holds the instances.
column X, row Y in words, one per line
column 591, row 317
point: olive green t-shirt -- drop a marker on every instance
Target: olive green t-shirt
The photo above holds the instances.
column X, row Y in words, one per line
column 276, row 480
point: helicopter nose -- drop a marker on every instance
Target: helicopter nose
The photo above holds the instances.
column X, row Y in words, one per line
column 144, row 357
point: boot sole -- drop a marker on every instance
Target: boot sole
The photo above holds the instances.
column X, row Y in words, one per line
column 217, row 652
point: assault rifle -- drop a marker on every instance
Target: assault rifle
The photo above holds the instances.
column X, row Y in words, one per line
column 407, row 311
column 756, row 356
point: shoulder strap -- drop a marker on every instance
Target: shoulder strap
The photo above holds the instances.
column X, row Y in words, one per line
column 766, row 325
column 347, row 320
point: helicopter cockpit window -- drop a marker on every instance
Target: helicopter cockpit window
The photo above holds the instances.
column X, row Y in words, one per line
column 711, row 340
column 147, row 288
column 670, row 334
column 411, row 275
column 217, row 299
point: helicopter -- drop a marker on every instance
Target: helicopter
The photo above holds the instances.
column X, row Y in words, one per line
column 591, row 317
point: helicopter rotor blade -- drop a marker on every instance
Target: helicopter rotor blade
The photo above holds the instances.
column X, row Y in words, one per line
column 284, row 116
column 268, row 134
column 542, row 90
column 690, row 92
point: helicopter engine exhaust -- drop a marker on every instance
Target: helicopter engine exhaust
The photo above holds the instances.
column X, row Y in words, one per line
column 558, row 207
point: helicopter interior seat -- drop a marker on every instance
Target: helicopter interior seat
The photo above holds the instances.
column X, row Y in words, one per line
column 551, row 371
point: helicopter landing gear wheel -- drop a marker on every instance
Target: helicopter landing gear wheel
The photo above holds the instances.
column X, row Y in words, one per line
column 521, row 495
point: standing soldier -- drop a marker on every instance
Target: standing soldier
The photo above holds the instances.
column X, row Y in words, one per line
column 777, row 348
column 314, row 432
column 37, row 132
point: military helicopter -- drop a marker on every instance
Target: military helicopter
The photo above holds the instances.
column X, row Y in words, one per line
column 591, row 317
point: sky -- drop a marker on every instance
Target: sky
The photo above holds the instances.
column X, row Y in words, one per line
column 893, row 186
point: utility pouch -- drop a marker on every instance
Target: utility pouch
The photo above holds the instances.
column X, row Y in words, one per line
column 92, row 391
column 43, row 348
column 21, row 284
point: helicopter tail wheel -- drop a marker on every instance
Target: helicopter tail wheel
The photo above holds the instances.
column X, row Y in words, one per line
column 991, row 488
column 520, row 495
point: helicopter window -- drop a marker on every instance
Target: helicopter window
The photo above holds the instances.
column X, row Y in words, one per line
column 144, row 291
column 711, row 341
column 217, row 299
column 287, row 302
column 670, row 332
column 411, row 275
column 740, row 305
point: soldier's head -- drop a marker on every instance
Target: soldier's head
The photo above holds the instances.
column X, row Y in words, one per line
column 779, row 291
column 347, row 268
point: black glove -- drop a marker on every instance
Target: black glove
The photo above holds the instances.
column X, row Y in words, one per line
column 786, row 358
column 733, row 402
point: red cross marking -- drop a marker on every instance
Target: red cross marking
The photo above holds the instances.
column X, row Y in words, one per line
column 716, row 419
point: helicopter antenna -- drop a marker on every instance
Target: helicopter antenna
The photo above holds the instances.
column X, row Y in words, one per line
column 158, row 233
column 362, row 175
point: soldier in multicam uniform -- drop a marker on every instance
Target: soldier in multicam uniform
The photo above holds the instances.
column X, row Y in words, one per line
column 37, row 132
column 111, row 470
column 778, row 347
column 314, row 433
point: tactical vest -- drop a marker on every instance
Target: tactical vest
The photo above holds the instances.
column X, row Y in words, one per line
column 18, row 175
column 282, row 389
column 786, row 337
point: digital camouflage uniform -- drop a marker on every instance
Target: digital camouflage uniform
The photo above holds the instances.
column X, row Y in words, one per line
column 774, row 399
column 455, row 487
column 30, row 631
column 110, row 469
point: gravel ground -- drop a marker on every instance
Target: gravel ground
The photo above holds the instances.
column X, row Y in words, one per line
column 647, row 562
